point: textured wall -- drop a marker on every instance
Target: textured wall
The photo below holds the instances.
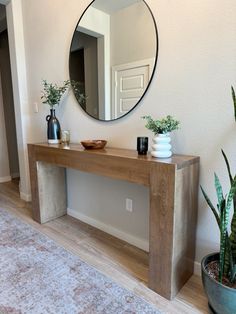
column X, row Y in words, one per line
column 196, row 67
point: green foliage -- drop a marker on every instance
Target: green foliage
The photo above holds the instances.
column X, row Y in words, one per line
column 232, row 238
column 52, row 93
column 227, row 263
column 78, row 88
column 162, row 126
column 234, row 101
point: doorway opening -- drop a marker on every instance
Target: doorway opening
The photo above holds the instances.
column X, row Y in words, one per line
column 84, row 58
column 9, row 168
column 77, row 71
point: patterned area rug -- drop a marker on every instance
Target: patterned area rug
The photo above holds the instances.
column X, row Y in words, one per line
column 37, row 276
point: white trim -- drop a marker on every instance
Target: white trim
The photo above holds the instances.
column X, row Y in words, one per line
column 197, row 268
column 140, row 243
column 5, row 179
column 25, row 197
column 20, row 86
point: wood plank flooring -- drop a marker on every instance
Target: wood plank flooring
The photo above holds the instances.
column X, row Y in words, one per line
column 124, row 263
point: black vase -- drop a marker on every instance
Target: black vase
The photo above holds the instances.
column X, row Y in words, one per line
column 54, row 129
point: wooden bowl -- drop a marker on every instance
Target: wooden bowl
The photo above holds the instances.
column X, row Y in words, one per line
column 94, row 144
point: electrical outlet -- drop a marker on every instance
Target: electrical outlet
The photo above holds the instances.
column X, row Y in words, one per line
column 129, row 205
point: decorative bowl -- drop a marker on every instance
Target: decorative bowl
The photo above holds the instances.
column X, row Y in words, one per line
column 94, row 144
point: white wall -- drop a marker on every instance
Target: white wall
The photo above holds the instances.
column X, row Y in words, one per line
column 132, row 35
column 196, row 67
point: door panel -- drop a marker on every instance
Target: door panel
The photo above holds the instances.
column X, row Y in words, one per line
column 130, row 83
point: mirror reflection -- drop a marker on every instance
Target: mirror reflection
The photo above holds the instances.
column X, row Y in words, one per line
column 112, row 57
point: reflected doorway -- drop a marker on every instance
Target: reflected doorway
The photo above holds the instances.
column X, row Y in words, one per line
column 77, row 71
column 8, row 127
column 86, row 49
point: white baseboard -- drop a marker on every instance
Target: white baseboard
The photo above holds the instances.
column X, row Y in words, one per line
column 140, row 243
column 197, row 268
column 15, row 175
column 25, row 197
column 5, row 179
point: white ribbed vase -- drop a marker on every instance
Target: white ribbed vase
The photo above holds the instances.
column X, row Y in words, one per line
column 161, row 147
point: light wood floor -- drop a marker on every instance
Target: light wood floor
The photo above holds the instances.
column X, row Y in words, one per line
column 120, row 261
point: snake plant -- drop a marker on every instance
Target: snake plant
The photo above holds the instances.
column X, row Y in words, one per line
column 227, row 262
column 234, row 101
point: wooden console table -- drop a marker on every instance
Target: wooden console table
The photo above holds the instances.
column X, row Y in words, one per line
column 173, row 185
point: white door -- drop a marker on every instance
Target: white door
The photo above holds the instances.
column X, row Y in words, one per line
column 129, row 84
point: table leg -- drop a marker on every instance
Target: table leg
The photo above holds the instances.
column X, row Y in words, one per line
column 48, row 189
column 162, row 191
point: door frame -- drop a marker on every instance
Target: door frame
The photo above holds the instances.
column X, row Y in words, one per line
column 20, row 89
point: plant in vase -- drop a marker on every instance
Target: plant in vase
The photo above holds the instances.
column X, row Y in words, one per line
column 51, row 95
column 219, row 269
column 161, row 129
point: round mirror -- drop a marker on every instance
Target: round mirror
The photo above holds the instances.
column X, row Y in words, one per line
column 113, row 56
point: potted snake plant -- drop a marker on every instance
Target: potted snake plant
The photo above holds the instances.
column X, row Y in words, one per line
column 219, row 269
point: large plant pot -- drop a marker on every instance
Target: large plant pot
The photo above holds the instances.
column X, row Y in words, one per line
column 222, row 299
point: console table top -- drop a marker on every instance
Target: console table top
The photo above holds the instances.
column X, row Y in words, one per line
column 180, row 161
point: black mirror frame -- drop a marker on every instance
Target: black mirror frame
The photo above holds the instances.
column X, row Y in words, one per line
column 154, row 68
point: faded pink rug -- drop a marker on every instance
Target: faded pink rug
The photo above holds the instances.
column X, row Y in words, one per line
column 37, row 276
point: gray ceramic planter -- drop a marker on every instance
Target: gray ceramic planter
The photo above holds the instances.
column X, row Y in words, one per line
column 221, row 299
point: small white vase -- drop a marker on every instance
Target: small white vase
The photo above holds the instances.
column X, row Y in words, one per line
column 161, row 147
